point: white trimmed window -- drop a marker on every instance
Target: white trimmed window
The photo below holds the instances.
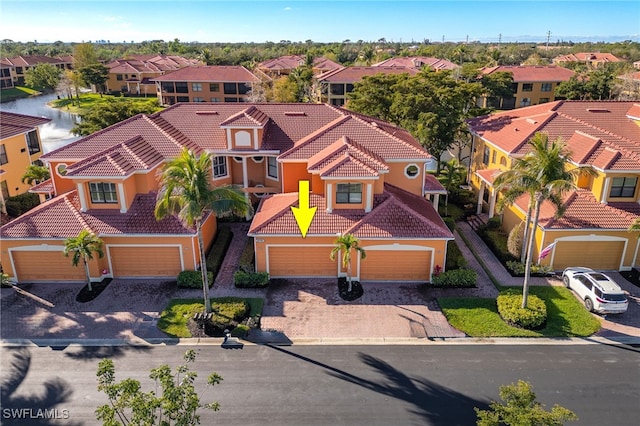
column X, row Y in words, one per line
column 103, row 192
column 412, row 171
column 219, row 167
column 272, row 167
column 349, row 193
column 196, row 87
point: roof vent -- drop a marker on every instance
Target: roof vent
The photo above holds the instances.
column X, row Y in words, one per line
column 206, row 112
column 531, row 121
column 295, row 113
column 598, row 110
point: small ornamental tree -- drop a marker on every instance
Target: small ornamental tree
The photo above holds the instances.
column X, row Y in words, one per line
column 174, row 402
column 345, row 244
column 520, row 408
column 83, row 247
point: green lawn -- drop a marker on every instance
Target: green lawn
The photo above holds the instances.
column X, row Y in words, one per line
column 17, row 92
column 89, row 100
column 477, row 317
column 173, row 319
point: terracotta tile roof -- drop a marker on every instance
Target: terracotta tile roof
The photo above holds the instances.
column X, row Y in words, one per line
column 323, row 64
column 587, row 57
column 12, row 124
column 61, row 217
column 45, row 187
column 528, row 73
column 417, row 62
column 432, row 185
column 290, row 62
column 29, row 61
column 211, row 73
column 395, row 214
column 605, row 121
column 488, row 175
column 250, row 117
column 634, row 111
column 583, row 211
column 362, row 162
column 122, row 160
column 354, row 74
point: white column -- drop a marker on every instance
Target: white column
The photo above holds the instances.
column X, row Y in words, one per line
column 369, row 203
column 329, row 198
column 492, row 202
column 605, row 190
column 123, row 201
column 82, row 197
column 480, row 193
column 436, row 201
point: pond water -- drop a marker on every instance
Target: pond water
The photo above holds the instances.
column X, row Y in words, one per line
column 54, row 134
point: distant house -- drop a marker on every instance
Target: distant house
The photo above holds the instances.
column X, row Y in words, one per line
column 283, row 65
column 418, row 62
column 205, row 84
column 337, row 84
column 6, row 80
column 20, row 147
column 366, row 178
column 594, row 60
column 532, row 85
column 19, row 65
column 133, row 74
column 605, row 135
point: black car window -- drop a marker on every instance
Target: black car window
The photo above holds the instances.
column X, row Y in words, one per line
column 585, row 281
column 597, row 292
column 616, row 297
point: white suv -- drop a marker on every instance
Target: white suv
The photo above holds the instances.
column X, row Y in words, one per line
column 599, row 292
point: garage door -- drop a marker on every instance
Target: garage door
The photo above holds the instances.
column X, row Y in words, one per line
column 301, row 261
column 605, row 255
column 34, row 266
column 145, row 261
column 396, row 265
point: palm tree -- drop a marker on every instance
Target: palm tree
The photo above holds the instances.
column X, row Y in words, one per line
column 635, row 226
column 543, row 175
column 345, row 244
column 35, row 173
column 186, row 191
column 83, row 247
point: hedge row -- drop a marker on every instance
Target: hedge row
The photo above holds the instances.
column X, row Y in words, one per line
column 456, row 278
column 251, row 279
column 193, row 279
column 533, row 317
column 20, row 204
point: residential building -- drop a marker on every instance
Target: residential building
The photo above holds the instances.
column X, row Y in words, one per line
column 133, row 75
column 6, row 80
column 595, row 59
column 20, row 147
column 283, row 65
column 366, row 177
column 532, row 85
column 19, row 65
column 205, row 84
column 604, row 135
column 418, row 62
column 337, row 84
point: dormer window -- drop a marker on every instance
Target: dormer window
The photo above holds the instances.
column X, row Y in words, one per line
column 103, row 192
column 623, row 187
column 349, row 193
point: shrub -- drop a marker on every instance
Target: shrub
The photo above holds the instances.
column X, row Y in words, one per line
column 456, row 278
column 193, row 279
column 219, row 249
column 496, row 240
column 533, row 317
column 20, row 204
column 246, row 262
column 455, row 259
column 450, row 222
column 241, row 330
column 494, row 223
column 514, row 240
column 517, row 269
column 244, row 279
column 228, row 312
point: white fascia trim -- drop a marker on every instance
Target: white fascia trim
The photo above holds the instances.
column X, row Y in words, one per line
column 350, row 179
column 94, row 178
column 583, row 230
column 291, row 235
column 404, row 160
column 406, row 239
column 148, row 235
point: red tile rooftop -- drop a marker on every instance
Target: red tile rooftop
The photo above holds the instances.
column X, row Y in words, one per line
column 526, row 73
column 354, row 74
column 12, row 124
column 211, row 73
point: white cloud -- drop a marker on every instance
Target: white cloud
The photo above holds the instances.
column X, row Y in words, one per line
column 286, row 9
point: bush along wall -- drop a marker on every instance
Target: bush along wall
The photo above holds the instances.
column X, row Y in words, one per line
column 193, row 279
column 455, row 278
column 244, row 279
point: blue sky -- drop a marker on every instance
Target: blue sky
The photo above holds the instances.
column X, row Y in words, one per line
column 322, row 21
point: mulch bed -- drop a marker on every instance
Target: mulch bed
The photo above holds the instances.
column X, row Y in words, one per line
column 87, row 296
column 343, row 289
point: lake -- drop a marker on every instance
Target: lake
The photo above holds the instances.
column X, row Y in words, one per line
column 54, row 134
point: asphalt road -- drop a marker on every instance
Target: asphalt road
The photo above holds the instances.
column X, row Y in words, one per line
column 434, row 384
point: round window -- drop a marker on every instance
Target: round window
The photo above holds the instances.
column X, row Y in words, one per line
column 411, row 170
column 61, row 169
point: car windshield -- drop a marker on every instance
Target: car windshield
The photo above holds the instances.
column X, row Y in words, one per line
column 615, row 297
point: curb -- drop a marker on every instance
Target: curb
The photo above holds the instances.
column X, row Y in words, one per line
column 58, row 344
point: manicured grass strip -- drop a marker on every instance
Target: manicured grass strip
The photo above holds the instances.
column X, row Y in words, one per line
column 477, row 317
column 17, row 92
column 90, row 100
column 174, row 318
